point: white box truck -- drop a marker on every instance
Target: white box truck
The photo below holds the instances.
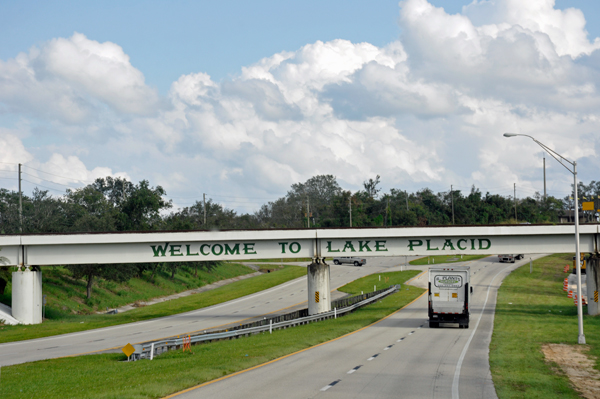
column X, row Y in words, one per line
column 449, row 296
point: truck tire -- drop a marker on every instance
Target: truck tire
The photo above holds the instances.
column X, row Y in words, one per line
column 434, row 324
column 336, row 262
column 356, row 263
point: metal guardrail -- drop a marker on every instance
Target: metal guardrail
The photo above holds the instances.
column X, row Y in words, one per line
column 148, row 350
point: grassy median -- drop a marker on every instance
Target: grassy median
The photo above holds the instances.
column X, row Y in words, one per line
column 74, row 323
column 283, row 260
column 434, row 260
column 108, row 376
column 533, row 310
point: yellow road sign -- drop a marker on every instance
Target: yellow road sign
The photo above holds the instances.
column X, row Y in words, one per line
column 317, row 296
column 587, row 206
column 128, row 350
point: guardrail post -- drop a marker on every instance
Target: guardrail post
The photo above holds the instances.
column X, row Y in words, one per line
column 152, row 351
column 271, row 326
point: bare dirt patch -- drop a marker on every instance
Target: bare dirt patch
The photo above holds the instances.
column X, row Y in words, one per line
column 577, row 365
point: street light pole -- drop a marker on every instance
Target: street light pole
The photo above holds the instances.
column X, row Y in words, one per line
column 581, row 337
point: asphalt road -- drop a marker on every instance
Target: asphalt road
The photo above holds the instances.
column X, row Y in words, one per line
column 286, row 295
column 397, row 357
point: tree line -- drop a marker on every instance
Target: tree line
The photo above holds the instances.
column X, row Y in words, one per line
column 115, row 204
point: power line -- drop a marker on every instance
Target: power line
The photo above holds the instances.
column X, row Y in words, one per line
column 229, row 196
column 39, row 185
column 64, row 177
column 49, row 181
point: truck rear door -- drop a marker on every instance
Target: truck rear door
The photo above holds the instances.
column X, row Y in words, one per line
column 448, row 292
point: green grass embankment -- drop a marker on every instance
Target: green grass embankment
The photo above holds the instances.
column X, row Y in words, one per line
column 532, row 310
column 107, row 376
column 434, row 260
column 71, row 322
column 66, row 295
column 309, row 260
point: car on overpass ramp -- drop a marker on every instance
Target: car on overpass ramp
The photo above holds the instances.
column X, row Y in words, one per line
column 350, row 259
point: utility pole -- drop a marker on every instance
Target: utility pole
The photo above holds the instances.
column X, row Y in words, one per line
column 515, row 197
column 544, row 176
column 204, row 206
column 452, row 199
column 350, row 207
column 405, row 192
column 20, row 202
column 307, row 212
column 386, row 212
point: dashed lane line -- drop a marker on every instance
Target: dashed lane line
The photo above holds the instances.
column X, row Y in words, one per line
column 294, row 353
column 354, row 369
column 331, row 384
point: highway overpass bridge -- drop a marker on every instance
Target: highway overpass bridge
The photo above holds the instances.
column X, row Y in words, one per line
column 28, row 250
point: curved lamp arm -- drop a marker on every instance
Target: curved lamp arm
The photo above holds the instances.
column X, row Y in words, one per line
column 550, row 151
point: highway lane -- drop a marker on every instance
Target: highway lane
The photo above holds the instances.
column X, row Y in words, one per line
column 236, row 311
column 397, row 357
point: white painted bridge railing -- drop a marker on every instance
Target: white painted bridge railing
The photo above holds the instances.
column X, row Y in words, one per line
column 94, row 248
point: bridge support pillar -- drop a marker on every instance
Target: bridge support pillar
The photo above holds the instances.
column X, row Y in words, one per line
column 27, row 296
column 319, row 300
column 592, row 280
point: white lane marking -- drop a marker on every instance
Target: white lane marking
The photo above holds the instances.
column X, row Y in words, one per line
column 354, row 369
column 464, row 351
column 326, row 387
column 411, row 333
column 401, row 339
column 373, row 357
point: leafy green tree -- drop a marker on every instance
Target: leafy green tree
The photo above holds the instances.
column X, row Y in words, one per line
column 138, row 206
column 141, row 209
column 112, row 272
column 89, row 210
column 9, row 211
column 43, row 213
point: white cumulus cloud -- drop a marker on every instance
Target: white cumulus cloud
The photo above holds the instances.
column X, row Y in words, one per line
column 428, row 109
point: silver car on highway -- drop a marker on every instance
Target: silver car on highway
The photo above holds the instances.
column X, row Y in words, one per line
column 350, row 259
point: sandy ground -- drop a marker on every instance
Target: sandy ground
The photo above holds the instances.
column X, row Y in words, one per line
column 421, row 280
column 577, row 365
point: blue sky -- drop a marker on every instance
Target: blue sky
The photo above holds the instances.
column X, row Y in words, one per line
column 207, row 96
column 166, row 39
